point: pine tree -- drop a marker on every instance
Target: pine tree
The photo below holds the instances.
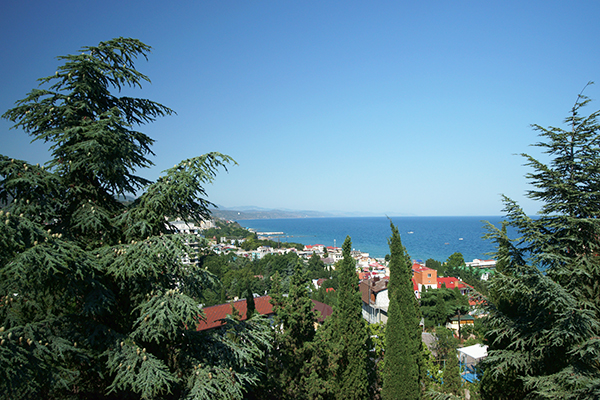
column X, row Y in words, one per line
column 402, row 333
column 250, row 305
column 545, row 317
column 96, row 300
column 452, row 379
column 353, row 379
column 291, row 355
column 445, row 348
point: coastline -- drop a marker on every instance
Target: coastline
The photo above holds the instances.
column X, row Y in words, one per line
column 423, row 237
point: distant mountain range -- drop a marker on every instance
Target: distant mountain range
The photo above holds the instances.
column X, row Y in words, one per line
column 252, row 212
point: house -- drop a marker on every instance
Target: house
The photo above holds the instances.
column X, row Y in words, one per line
column 416, row 289
column 424, row 277
column 451, row 283
column 469, row 357
column 318, row 282
column 364, row 276
column 477, row 263
column 329, row 262
column 214, row 315
column 465, row 320
column 375, row 300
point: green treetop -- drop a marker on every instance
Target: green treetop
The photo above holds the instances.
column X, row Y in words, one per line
column 545, row 318
column 402, row 333
column 446, row 345
column 96, row 300
column 353, row 380
column 291, row 356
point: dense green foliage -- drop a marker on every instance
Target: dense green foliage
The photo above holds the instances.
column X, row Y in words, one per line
column 456, row 267
column 434, row 264
column 96, row 302
column 353, row 380
column 439, row 304
column 445, row 347
column 402, row 334
column 545, row 318
column 289, row 372
column 227, row 229
column 253, row 244
column 236, row 274
column 342, row 365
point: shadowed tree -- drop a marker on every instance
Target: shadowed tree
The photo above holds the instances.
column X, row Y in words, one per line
column 402, row 333
column 545, row 314
column 292, row 354
column 353, row 379
column 96, row 300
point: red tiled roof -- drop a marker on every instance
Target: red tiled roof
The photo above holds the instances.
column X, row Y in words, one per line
column 322, row 309
column 214, row 314
column 450, row 283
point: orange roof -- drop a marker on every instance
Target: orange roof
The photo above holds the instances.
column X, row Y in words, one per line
column 215, row 314
column 363, row 275
column 473, row 302
column 451, row 283
column 418, row 268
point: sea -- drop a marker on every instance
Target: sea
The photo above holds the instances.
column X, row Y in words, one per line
column 424, row 237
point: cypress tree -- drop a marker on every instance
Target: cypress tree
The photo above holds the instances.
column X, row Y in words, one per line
column 353, row 379
column 544, row 316
column 97, row 301
column 250, row 305
column 452, row 383
column 292, row 354
column 402, row 333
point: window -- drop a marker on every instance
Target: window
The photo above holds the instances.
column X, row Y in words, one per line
column 429, row 275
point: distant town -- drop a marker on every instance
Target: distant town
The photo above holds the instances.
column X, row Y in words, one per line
column 373, row 273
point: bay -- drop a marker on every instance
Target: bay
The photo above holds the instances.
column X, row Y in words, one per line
column 423, row 237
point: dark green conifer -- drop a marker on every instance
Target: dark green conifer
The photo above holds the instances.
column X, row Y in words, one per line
column 354, row 367
column 545, row 312
column 452, row 379
column 402, row 333
column 291, row 357
column 96, row 300
column 250, row 305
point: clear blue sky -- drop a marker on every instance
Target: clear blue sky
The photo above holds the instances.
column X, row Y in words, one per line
column 371, row 106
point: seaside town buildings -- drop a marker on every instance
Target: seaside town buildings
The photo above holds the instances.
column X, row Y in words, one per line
column 373, row 275
column 375, row 300
column 215, row 315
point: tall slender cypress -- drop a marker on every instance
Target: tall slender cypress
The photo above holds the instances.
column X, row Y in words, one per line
column 296, row 330
column 250, row 305
column 353, row 380
column 402, row 340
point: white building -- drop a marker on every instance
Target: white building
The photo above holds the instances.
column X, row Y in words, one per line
column 375, row 300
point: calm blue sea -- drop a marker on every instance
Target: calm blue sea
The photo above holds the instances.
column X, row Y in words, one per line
column 423, row 237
